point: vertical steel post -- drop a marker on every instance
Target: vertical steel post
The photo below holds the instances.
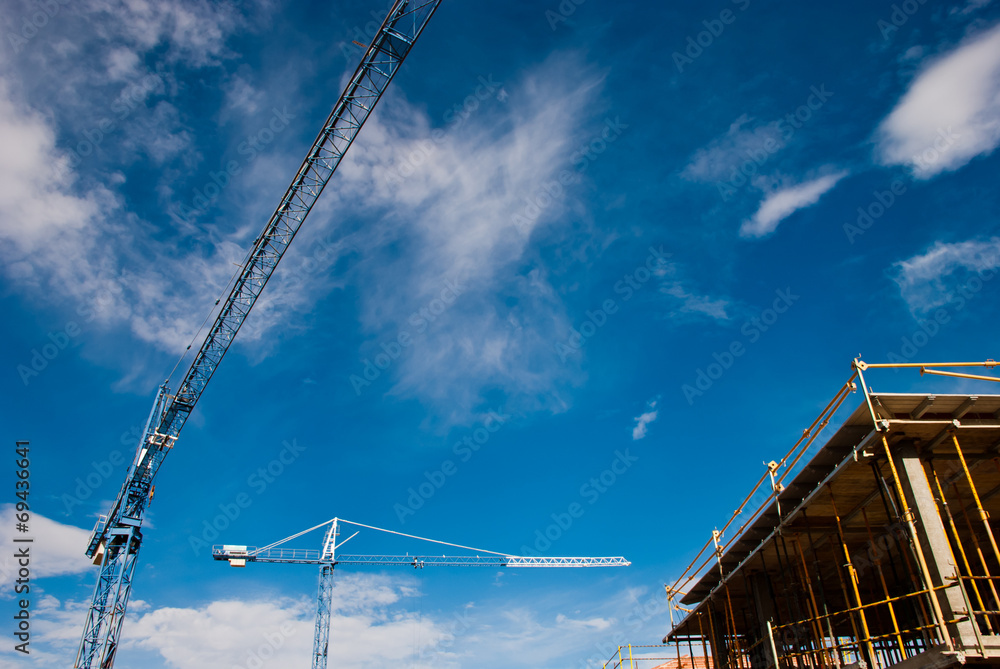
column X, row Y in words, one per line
column 975, row 542
column 918, row 551
column 961, row 552
column 975, row 494
column 885, row 589
column 774, row 649
column 814, row 610
column 704, row 647
column 852, row 576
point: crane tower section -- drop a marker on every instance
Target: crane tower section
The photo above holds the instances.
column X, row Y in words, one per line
column 117, row 537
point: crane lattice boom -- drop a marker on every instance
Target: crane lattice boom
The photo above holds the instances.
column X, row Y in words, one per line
column 327, row 558
column 314, row 556
column 116, row 539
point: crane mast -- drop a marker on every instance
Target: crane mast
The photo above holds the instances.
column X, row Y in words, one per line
column 116, row 539
column 327, row 558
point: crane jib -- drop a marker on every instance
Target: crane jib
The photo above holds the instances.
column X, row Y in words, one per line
column 116, row 539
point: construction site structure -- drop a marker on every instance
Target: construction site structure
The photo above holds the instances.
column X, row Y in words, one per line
column 658, row 656
column 327, row 558
column 879, row 551
column 117, row 537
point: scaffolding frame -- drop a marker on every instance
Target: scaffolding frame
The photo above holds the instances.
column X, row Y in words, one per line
column 877, row 550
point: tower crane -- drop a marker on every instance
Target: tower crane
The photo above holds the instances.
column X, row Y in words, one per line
column 327, row 558
column 116, row 539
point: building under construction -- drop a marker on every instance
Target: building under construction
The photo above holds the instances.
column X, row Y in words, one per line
column 876, row 552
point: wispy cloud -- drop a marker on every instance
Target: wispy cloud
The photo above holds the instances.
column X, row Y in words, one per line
column 743, row 142
column 369, row 612
column 376, row 620
column 71, row 239
column 932, row 279
column 195, row 32
column 970, row 7
column 279, row 633
column 458, row 211
column 690, row 303
column 784, row 202
column 951, row 112
column 57, row 548
column 686, row 303
column 643, row 421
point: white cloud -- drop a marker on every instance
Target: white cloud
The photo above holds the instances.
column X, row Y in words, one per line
column 459, row 203
column 194, row 31
column 692, row 303
column 80, row 248
column 55, row 633
column 932, row 279
column 643, row 421
column 782, row 203
column 67, row 235
column 970, row 7
column 687, row 303
column 376, row 622
column 367, row 627
column 369, row 624
column 951, row 112
column 742, row 143
column 57, row 549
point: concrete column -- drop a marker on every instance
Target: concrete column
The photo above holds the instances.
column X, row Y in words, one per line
column 763, row 612
column 934, row 541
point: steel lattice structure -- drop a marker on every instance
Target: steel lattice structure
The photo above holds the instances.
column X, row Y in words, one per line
column 117, row 537
column 327, row 559
column 314, row 556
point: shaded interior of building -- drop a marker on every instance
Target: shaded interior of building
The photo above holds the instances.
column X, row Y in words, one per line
column 879, row 552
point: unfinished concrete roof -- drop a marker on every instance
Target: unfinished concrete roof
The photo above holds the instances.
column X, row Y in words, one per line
column 846, row 468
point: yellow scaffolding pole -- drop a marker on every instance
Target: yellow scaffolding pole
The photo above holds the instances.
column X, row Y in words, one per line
column 917, row 550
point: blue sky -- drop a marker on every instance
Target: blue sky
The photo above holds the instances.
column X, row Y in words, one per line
column 576, row 240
